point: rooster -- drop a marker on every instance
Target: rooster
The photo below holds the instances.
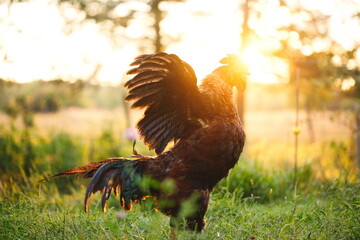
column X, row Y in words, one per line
column 201, row 121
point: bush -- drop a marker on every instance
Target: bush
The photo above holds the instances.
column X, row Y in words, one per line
column 51, row 96
column 248, row 180
column 26, row 157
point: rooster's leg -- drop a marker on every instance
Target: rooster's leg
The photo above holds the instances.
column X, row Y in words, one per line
column 173, row 233
column 173, row 225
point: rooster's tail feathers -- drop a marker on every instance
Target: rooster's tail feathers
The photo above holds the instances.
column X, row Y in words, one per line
column 117, row 175
column 86, row 171
column 113, row 174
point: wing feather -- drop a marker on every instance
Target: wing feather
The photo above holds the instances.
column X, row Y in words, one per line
column 145, row 101
column 145, row 90
column 166, row 87
column 143, row 78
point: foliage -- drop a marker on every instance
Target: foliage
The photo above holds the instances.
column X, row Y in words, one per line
column 27, row 157
column 106, row 15
column 249, row 181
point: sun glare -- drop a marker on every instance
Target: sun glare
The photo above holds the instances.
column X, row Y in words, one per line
column 203, row 49
column 206, row 34
column 262, row 69
column 76, row 57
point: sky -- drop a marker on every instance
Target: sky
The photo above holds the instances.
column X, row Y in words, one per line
column 34, row 43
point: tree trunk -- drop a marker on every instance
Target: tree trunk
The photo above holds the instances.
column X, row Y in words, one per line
column 245, row 26
column 126, row 109
column 158, row 17
column 244, row 42
column 309, row 122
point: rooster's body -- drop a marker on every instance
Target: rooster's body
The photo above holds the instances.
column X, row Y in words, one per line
column 203, row 123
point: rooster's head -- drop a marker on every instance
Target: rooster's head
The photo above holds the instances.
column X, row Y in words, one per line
column 235, row 70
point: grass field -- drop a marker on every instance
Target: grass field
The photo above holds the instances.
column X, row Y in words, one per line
column 332, row 213
column 256, row 201
column 261, row 125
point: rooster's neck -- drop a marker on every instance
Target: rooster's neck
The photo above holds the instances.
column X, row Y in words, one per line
column 219, row 96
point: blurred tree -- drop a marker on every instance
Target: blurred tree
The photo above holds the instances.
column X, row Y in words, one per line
column 19, row 105
column 116, row 15
column 24, row 106
column 314, row 81
column 330, row 75
column 347, row 84
column 245, row 39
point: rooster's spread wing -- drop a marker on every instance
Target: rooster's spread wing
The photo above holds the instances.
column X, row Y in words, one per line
column 166, row 86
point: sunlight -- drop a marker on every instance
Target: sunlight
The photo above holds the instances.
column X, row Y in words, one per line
column 33, row 53
column 200, row 34
column 263, row 69
column 203, row 49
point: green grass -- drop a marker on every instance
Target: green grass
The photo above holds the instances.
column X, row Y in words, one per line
column 332, row 212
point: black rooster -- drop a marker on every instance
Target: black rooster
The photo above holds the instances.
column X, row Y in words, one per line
column 203, row 123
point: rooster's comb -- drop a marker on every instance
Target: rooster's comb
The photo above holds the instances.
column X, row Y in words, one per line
column 235, row 63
